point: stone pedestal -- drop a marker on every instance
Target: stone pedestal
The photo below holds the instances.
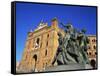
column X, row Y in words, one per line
column 68, row 67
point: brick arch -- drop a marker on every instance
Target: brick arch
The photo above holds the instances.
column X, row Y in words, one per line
column 35, row 61
column 93, row 63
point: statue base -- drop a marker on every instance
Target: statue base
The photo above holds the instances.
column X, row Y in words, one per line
column 68, row 67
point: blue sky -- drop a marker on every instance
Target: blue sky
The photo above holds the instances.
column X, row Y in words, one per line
column 29, row 15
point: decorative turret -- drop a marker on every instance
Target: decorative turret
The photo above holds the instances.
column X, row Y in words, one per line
column 54, row 22
column 41, row 25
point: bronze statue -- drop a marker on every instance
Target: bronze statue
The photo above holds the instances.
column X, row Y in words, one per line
column 72, row 47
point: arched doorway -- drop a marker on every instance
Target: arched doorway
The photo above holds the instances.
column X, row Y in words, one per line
column 35, row 58
column 93, row 63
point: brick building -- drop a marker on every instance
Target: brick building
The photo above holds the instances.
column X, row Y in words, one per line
column 92, row 50
column 41, row 47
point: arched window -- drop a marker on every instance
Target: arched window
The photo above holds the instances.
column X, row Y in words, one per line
column 37, row 43
column 37, row 40
column 93, row 40
column 46, row 52
column 89, row 53
column 94, row 47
